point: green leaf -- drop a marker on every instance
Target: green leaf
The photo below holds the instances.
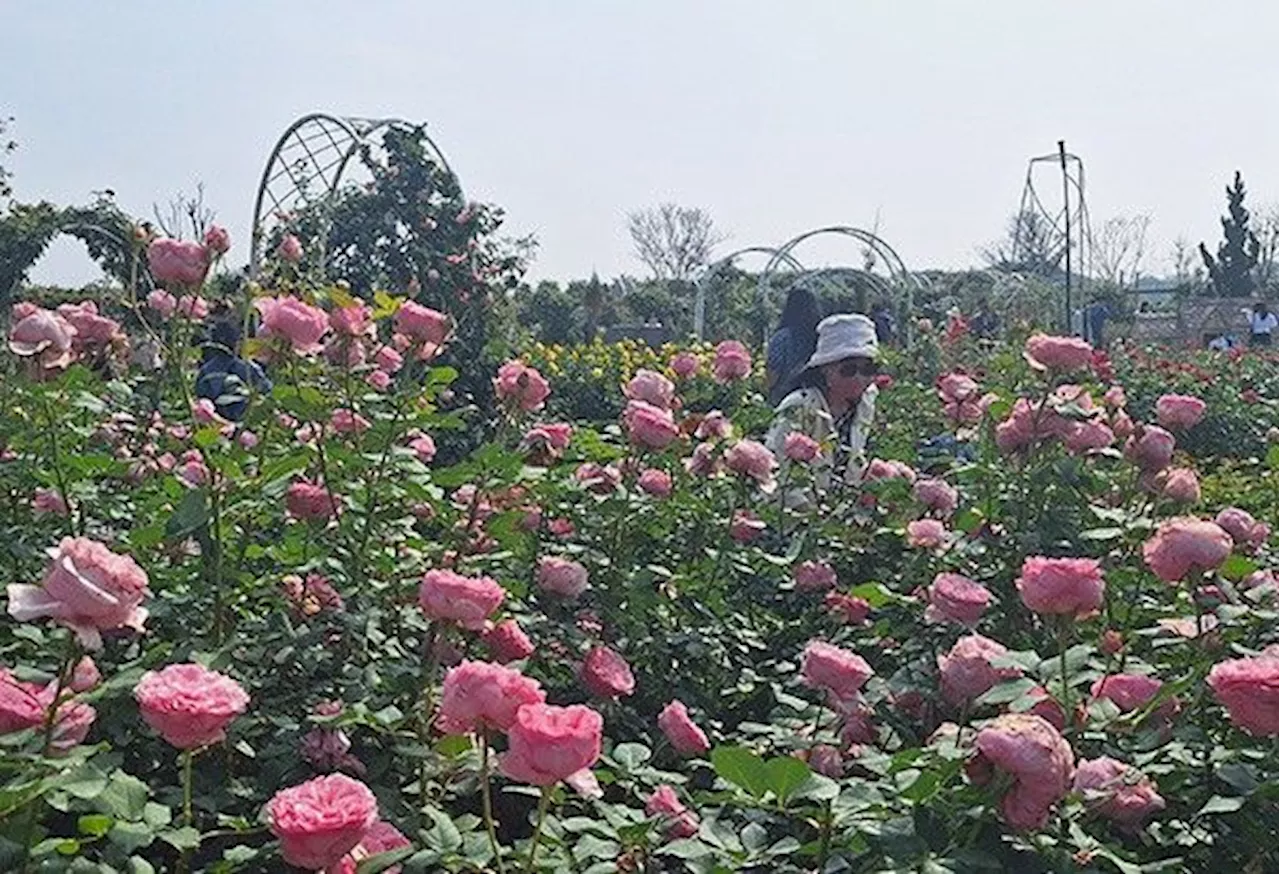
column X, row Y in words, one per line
column 95, row 825
column 784, row 775
column 742, row 768
column 443, row 834
column 192, row 513
column 1003, row 693
column 124, row 797
column 923, row 787
column 631, row 755
column 1221, row 804
column 685, row 848
column 1102, row 534
column 875, row 594
column 130, row 836
column 1237, row 567
column 184, row 838
column 383, row 861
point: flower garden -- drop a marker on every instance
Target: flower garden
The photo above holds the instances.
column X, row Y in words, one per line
column 345, row 619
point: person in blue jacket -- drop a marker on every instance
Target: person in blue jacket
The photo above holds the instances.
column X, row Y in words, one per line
column 224, row 377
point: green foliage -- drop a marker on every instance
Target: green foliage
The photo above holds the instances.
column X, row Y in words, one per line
column 1232, row 272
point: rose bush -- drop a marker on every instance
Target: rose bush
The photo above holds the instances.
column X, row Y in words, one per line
column 604, row 640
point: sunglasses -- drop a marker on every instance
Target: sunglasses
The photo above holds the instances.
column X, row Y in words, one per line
column 858, row 367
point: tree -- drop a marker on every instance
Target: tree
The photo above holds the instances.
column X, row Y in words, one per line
column 673, row 241
column 6, row 146
column 1119, row 245
column 1031, row 245
column 1231, row 274
column 1268, row 243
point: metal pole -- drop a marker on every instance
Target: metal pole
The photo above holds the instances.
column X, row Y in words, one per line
column 1066, row 224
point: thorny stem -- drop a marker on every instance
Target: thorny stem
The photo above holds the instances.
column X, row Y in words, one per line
column 486, row 794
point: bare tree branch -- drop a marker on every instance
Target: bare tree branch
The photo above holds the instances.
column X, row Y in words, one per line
column 1119, row 246
column 1030, row 245
column 673, row 241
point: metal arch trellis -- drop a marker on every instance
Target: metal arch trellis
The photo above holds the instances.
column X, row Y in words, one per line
column 899, row 276
column 306, row 167
column 713, row 269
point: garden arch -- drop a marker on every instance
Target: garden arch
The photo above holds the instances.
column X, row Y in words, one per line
column 307, row 163
column 713, row 270
column 900, row 279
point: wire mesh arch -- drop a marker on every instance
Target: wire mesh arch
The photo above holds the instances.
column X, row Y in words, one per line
column 715, row 268
column 900, row 279
column 307, row 164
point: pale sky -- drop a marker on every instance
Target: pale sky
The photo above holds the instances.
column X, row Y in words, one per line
column 776, row 117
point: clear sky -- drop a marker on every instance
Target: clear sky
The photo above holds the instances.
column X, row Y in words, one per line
column 775, row 116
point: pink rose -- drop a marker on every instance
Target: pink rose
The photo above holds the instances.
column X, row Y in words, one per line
column 1088, row 437
column 1131, row 692
column 217, row 240
column 189, row 705
column 1036, row 758
column 956, row 598
column 601, row 479
column 746, row 526
column 548, row 744
column 1186, row 545
column 751, row 459
column 561, row 576
column 1151, row 449
column 1242, row 527
column 422, row 324
column 193, row 472
column 85, row 676
column 1045, row 352
column 177, row 262
column 290, row 249
column 353, row 320
column 935, row 494
column 826, row 760
column 684, row 365
column 1116, row 791
column 814, row 576
column 1046, row 707
column 847, row 609
column 320, row 821
column 714, row 426
column 92, row 329
column 521, row 385
column 1250, row 690
column 162, row 302
column 560, row 528
column 423, row 447
column 310, row 501
column 703, row 461
column 1179, row 411
column 382, row 837
column 507, row 642
column 481, row 697
column 1014, row 433
column 878, row 469
column 606, row 674
column 193, row 307
column 1061, row 586
column 801, row 447
column 288, row 318
column 548, row 440
column 1114, row 397
column 379, row 380
column 926, row 534
column 664, row 804
column 652, row 388
column 88, row 588
column 20, row 704
column 649, row 426
column 655, row 482
column 732, row 362
column 451, row 597
column 49, row 501
column 966, row 671
column 835, row 670
column 1181, row 485
column 43, row 335
column 684, row 736
column 345, row 421
column 388, row 359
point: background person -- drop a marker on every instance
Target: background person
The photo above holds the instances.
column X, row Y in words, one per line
column 792, row 343
column 1262, row 325
column 832, row 400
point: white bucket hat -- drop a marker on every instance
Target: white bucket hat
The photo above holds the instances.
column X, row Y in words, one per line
column 845, row 335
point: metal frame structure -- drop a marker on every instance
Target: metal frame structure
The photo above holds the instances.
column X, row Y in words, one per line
column 306, row 166
column 1061, row 221
column 713, row 270
column 899, row 277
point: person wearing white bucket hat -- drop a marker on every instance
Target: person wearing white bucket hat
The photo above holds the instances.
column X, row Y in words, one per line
column 832, row 401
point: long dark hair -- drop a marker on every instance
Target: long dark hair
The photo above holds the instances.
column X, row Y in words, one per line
column 801, row 314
